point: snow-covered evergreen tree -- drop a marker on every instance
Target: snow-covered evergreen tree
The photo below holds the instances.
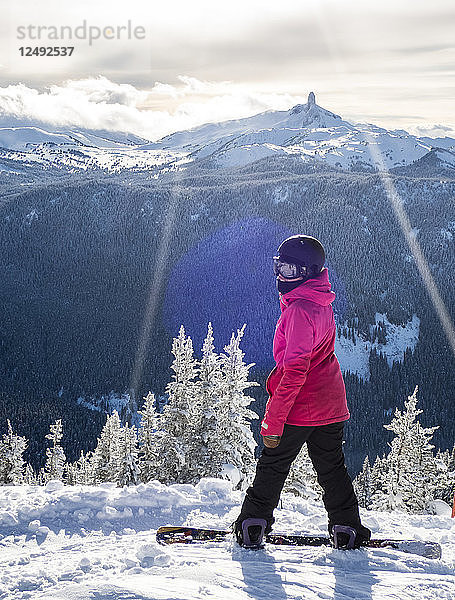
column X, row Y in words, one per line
column 188, row 440
column 30, row 477
column 56, row 460
column 235, row 443
column 71, row 474
column 302, row 479
column 411, row 469
column 128, row 463
column 363, row 484
column 115, row 458
column 451, row 477
column 104, row 461
column 41, row 478
column 12, row 465
column 208, row 458
column 177, row 419
column 445, row 485
column 85, row 470
column 451, row 463
column 81, row 471
column 378, row 475
column 151, row 440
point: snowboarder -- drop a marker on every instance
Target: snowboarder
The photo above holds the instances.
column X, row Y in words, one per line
column 307, row 401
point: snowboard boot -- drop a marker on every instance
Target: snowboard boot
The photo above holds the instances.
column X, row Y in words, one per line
column 250, row 533
column 345, row 537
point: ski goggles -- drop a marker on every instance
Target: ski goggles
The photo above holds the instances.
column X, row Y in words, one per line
column 287, row 270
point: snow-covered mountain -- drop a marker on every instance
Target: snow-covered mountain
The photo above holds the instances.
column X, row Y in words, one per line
column 34, row 147
column 27, row 137
column 306, row 131
column 67, row 543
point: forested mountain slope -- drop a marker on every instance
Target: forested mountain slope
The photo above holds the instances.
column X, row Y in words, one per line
column 79, row 263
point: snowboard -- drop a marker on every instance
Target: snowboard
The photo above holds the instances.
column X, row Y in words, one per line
column 190, row 535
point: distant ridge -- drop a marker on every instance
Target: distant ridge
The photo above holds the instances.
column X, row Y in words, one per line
column 307, row 132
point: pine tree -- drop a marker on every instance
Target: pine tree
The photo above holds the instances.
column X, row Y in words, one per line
column 210, row 390
column 411, row 467
column 81, row 471
column 41, row 477
column 104, row 461
column 30, row 477
column 204, row 429
column 71, row 474
column 378, row 476
column 85, row 470
column 450, row 487
column 56, row 459
column 235, row 442
column 151, row 440
column 12, row 465
column 302, row 479
column 445, row 480
column 177, row 418
column 363, row 485
column 128, row 464
column 451, row 463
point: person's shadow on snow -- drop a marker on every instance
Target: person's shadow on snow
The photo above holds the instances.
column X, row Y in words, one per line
column 354, row 578
column 259, row 569
column 353, row 575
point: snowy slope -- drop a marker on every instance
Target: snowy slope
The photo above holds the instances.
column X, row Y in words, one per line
column 446, row 157
column 354, row 355
column 20, row 138
column 440, row 142
column 78, row 149
column 85, row 158
column 84, row 543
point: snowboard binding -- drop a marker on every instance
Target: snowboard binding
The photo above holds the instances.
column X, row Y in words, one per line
column 343, row 537
column 250, row 533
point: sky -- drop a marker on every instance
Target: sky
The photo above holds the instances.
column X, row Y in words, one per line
column 187, row 62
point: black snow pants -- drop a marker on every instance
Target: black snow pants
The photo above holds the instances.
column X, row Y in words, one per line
column 325, row 450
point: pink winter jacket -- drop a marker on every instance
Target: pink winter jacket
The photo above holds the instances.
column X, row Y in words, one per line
column 306, row 386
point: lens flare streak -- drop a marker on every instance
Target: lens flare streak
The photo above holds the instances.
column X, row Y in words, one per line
column 414, row 246
column 155, row 290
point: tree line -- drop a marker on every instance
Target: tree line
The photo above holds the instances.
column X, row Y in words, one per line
column 204, row 430
column 410, row 476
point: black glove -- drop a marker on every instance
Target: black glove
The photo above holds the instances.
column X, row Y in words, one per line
column 271, row 441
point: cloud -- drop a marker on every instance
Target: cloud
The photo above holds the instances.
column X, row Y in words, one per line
column 361, row 58
column 191, row 85
column 435, row 130
column 99, row 90
column 194, row 85
column 99, row 103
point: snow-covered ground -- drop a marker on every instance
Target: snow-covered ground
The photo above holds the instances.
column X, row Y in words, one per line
column 98, row 542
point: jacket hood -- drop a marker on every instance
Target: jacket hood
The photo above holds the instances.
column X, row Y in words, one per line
column 318, row 289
